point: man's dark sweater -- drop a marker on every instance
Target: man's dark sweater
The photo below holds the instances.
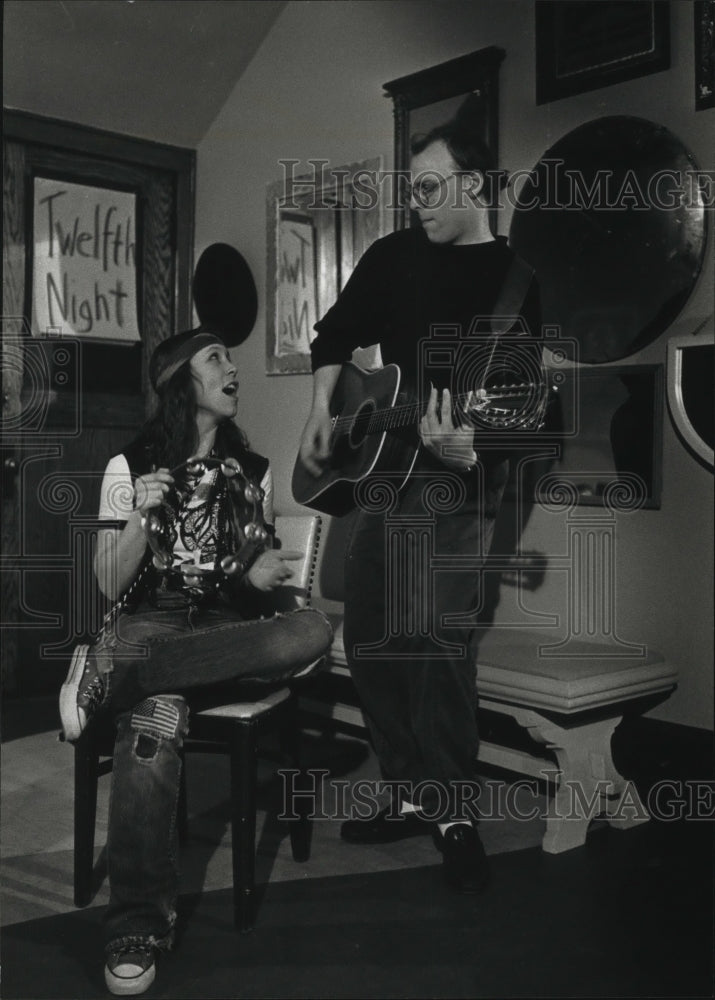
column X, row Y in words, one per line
column 403, row 286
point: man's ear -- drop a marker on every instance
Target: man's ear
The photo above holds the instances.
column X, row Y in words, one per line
column 475, row 183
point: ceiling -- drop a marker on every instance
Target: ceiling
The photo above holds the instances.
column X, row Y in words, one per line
column 158, row 69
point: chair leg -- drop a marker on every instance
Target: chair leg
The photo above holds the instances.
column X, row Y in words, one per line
column 182, row 818
column 86, row 776
column 298, row 805
column 243, row 754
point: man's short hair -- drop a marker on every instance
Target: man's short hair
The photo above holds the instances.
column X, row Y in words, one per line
column 468, row 151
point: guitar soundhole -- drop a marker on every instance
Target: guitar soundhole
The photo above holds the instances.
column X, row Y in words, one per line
column 360, row 427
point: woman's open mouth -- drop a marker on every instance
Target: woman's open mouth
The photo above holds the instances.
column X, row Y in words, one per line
column 231, row 389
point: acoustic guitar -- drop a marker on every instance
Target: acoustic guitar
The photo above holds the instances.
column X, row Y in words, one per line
column 374, row 430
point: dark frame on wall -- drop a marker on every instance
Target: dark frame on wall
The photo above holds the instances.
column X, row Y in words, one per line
column 474, row 73
column 613, row 429
column 604, row 431
column 583, row 45
column 704, row 14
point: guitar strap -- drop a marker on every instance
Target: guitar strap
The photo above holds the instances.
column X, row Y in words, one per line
column 508, row 305
column 511, row 295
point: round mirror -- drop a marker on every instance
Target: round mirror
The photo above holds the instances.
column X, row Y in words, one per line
column 613, row 221
column 225, row 293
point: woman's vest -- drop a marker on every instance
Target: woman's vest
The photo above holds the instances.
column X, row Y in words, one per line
column 140, row 461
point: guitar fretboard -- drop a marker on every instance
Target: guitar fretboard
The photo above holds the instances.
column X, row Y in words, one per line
column 375, row 421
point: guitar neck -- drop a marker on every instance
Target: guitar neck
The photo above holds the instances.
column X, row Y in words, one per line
column 408, row 414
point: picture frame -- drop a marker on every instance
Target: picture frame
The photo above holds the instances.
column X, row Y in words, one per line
column 704, row 17
column 431, row 96
column 584, row 45
column 318, row 226
column 607, row 424
column 293, row 294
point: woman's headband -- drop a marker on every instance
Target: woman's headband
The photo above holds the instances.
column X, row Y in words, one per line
column 174, row 352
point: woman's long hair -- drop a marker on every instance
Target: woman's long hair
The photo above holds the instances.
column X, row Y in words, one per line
column 171, row 435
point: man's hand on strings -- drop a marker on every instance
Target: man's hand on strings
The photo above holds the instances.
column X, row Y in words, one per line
column 452, row 443
column 315, row 442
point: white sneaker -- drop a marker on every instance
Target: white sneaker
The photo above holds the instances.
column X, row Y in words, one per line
column 128, row 973
column 81, row 695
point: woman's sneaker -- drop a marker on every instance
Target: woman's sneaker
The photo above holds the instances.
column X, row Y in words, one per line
column 81, row 695
column 130, row 970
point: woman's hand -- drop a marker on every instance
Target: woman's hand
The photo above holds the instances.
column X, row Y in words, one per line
column 271, row 569
column 150, row 490
column 453, row 444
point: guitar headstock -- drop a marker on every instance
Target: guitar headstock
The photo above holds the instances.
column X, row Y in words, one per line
column 517, row 405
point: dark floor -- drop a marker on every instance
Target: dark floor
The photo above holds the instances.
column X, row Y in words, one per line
column 630, row 914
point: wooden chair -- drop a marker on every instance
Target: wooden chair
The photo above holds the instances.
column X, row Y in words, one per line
column 232, row 729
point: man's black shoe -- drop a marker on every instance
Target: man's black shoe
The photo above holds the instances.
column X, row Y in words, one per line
column 384, row 830
column 464, row 861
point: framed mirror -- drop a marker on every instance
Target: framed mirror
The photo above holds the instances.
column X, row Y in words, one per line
column 431, row 97
column 318, row 227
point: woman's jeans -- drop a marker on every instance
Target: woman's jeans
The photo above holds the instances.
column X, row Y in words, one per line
column 155, row 663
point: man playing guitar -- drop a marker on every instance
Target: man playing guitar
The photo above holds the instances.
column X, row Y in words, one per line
column 415, row 672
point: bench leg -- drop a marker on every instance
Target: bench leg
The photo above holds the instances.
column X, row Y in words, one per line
column 589, row 784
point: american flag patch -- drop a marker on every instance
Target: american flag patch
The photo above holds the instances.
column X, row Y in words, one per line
column 156, row 717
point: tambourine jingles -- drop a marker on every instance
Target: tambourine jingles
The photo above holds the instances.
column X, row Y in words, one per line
column 246, row 509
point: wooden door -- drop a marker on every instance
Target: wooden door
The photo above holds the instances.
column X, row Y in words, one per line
column 68, row 403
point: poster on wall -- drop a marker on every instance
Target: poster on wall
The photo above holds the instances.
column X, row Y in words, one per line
column 84, row 280
column 296, row 298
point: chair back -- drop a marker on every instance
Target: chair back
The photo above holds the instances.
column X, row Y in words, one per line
column 300, row 532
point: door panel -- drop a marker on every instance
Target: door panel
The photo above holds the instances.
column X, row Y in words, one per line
column 70, row 404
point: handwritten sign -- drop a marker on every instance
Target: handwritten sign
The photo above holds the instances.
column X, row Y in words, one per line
column 296, row 291
column 85, row 261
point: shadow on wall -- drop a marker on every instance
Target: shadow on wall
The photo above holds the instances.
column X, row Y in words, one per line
column 528, row 570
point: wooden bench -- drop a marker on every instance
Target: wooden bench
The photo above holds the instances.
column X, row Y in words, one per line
column 569, row 704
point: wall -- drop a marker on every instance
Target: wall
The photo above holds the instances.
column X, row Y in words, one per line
column 314, row 90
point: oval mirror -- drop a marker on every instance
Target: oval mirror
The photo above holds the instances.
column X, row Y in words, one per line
column 613, row 220
column 225, row 293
